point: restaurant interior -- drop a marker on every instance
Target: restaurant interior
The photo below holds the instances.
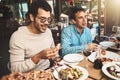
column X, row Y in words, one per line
column 103, row 16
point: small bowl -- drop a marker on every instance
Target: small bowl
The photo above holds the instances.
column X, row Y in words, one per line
column 107, row 44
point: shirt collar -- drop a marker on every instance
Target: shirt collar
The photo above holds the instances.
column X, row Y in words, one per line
column 77, row 30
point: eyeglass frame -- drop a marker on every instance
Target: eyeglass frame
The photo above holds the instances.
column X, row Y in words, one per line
column 44, row 19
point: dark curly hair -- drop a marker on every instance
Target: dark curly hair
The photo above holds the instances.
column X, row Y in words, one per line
column 74, row 10
column 43, row 4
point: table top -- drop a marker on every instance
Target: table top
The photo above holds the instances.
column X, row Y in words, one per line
column 94, row 74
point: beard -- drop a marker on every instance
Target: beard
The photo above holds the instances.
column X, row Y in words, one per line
column 41, row 28
column 37, row 27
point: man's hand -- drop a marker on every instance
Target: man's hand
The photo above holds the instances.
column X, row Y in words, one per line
column 46, row 54
column 92, row 46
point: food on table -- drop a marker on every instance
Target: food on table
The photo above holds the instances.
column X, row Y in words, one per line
column 104, row 59
column 33, row 75
column 98, row 63
column 70, row 73
column 114, row 70
column 103, row 51
column 15, row 76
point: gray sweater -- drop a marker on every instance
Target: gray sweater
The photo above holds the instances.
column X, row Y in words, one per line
column 24, row 45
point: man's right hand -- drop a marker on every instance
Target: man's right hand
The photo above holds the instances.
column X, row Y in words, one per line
column 46, row 54
column 91, row 46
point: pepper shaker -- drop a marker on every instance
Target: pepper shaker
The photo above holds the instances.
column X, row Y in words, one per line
column 98, row 64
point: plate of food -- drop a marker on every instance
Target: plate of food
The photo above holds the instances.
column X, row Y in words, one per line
column 112, row 70
column 107, row 44
column 106, row 56
column 32, row 75
column 70, row 73
column 73, row 58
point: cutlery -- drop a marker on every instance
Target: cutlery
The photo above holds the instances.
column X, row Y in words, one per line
column 55, row 68
column 68, row 65
column 118, row 65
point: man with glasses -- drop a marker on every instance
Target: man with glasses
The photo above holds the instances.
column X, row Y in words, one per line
column 77, row 37
column 32, row 46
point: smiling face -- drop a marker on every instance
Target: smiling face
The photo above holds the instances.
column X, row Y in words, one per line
column 41, row 22
column 80, row 19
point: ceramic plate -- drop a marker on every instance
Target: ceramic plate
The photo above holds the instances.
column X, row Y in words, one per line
column 107, row 44
column 109, row 54
column 83, row 77
column 73, row 58
column 104, row 69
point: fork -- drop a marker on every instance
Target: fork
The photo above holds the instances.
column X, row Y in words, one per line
column 68, row 65
column 118, row 65
column 55, row 68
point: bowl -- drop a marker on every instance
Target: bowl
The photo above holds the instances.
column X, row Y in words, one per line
column 107, row 44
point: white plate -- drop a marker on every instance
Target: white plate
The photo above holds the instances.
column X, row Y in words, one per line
column 104, row 69
column 83, row 77
column 62, row 62
column 73, row 58
column 107, row 44
column 109, row 54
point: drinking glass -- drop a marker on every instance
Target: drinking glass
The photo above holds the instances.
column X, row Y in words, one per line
column 114, row 29
column 98, row 62
column 98, row 51
column 86, row 53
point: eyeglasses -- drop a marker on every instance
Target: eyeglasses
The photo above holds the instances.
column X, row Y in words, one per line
column 44, row 19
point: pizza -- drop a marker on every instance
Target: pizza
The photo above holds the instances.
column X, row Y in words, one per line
column 32, row 75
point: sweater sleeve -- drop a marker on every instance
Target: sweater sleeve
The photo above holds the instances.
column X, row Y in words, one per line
column 17, row 56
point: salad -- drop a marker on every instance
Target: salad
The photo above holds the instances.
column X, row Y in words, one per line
column 114, row 70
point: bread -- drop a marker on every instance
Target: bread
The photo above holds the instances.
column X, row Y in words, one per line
column 103, row 51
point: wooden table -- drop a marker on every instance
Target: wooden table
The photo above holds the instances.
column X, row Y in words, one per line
column 94, row 74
